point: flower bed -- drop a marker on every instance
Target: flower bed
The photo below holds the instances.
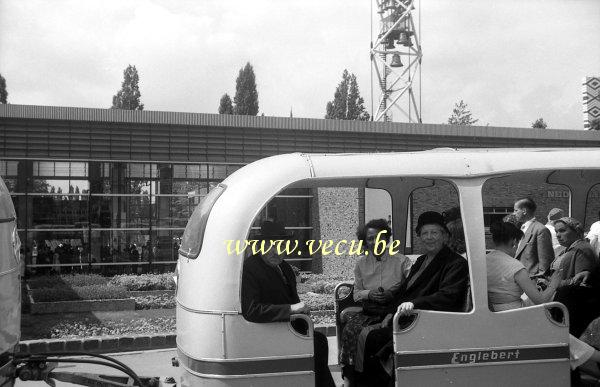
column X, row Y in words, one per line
column 155, row 301
column 64, row 299
column 92, row 292
column 59, row 307
column 75, row 293
column 144, row 281
column 53, row 281
column 87, row 327
column 316, row 301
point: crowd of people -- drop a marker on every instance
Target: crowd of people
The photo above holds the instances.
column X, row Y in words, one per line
column 531, row 263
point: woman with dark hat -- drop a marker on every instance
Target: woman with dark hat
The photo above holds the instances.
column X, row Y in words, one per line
column 438, row 280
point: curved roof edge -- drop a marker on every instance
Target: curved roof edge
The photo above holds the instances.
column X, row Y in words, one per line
column 450, row 162
column 62, row 113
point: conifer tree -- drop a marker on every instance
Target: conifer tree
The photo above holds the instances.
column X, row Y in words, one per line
column 128, row 98
column 246, row 96
column 347, row 103
column 225, row 105
column 3, row 92
column 461, row 115
column 539, row 124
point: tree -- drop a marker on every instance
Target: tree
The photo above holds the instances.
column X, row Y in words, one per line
column 128, row 98
column 460, row 115
column 246, row 96
column 3, row 92
column 595, row 124
column 347, row 103
column 539, row 124
column 225, row 105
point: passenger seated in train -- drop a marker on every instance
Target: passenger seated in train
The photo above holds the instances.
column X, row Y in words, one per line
column 579, row 264
column 438, row 280
column 508, row 279
column 269, row 294
column 375, row 275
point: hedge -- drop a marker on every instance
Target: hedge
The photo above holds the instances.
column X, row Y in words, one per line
column 144, row 281
column 67, row 280
column 93, row 292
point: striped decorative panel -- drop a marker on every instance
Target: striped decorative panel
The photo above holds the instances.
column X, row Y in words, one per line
column 591, row 100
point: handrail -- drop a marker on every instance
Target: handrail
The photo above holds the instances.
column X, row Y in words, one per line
column 409, row 321
column 338, row 287
column 310, row 331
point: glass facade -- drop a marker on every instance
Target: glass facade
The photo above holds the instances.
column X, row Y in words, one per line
column 292, row 208
column 118, row 217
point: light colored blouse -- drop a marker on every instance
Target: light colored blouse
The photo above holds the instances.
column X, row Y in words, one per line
column 502, row 287
column 371, row 274
column 501, row 270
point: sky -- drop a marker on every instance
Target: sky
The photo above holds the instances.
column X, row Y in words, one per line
column 511, row 61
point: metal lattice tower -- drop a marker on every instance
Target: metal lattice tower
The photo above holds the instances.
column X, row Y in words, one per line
column 396, row 58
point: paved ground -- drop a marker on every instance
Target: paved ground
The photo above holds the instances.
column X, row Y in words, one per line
column 158, row 363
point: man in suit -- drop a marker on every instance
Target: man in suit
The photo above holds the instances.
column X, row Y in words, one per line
column 269, row 294
column 535, row 248
column 438, row 280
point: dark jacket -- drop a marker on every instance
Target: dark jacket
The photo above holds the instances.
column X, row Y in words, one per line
column 442, row 285
column 265, row 296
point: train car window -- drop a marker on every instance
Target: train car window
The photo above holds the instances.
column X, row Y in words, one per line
column 592, row 213
column 191, row 243
column 529, row 202
column 500, row 195
column 441, row 197
column 378, row 204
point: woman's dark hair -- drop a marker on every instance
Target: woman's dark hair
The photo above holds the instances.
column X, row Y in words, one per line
column 377, row 224
column 457, row 236
column 504, row 232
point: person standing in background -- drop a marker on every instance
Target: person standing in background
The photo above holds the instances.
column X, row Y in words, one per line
column 535, row 248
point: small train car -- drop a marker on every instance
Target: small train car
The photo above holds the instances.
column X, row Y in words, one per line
column 528, row 346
